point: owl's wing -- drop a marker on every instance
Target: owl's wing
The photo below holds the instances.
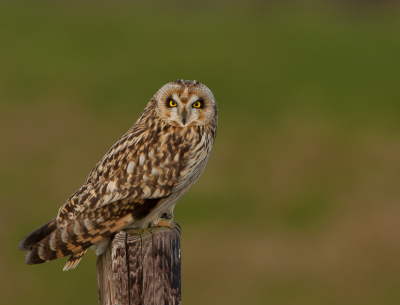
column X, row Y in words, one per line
column 141, row 165
column 139, row 172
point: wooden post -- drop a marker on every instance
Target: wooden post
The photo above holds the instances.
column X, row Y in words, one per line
column 141, row 267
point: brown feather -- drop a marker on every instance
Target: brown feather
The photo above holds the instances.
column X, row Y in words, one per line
column 37, row 235
column 90, row 228
column 139, row 179
column 74, row 260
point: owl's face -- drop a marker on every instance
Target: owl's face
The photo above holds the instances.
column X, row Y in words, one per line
column 185, row 103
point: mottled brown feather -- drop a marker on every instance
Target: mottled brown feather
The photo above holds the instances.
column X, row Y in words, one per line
column 74, row 260
column 139, row 179
column 37, row 235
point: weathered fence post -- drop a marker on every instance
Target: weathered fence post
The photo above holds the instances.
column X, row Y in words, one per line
column 141, row 267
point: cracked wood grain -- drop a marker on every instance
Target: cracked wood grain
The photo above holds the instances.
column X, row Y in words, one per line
column 135, row 267
column 148, row 270
column 120, row 270
column 141, row 267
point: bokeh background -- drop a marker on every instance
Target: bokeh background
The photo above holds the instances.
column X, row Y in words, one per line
column 299, row 203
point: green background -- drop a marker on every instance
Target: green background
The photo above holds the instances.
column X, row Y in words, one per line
column 299, row 203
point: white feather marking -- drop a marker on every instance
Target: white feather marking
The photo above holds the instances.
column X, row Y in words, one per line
column 151, row 153
column 131, row 165
column 110, row 187
column 114, row 197
column 106, row 199
column 88, row 224
column 41, row 252
column 141, row 159
column 145, row 178
column 155, row 172
column 156, row 193
column 146, row 191
column 176, row 158
column 78, row 230
column 64, row 235
column 52, row 242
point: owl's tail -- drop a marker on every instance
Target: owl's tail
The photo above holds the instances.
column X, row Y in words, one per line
column 37, row 235
column 50, row 242
column 91, row 227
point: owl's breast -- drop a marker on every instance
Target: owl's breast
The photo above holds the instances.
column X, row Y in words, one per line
column 194, row 161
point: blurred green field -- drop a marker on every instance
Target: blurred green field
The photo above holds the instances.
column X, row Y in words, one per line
column 299, row 203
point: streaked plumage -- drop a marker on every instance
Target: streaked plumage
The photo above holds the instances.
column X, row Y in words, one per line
column 140, row 179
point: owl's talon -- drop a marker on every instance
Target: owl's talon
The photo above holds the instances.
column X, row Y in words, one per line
column 168, row 223
column 177, row 226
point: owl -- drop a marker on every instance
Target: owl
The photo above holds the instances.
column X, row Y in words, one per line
column 139, row 180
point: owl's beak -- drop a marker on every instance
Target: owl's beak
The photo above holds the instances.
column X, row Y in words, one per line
column 184, row 113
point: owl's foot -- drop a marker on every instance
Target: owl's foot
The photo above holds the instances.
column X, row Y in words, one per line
column 168, row 223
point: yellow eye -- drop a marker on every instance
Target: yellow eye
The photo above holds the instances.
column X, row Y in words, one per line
column 172, row 103
column 197, row 104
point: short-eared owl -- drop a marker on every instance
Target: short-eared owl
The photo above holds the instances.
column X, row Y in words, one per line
column 139, row 180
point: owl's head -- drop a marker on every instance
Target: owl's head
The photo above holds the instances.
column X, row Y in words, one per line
column 183, row 103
